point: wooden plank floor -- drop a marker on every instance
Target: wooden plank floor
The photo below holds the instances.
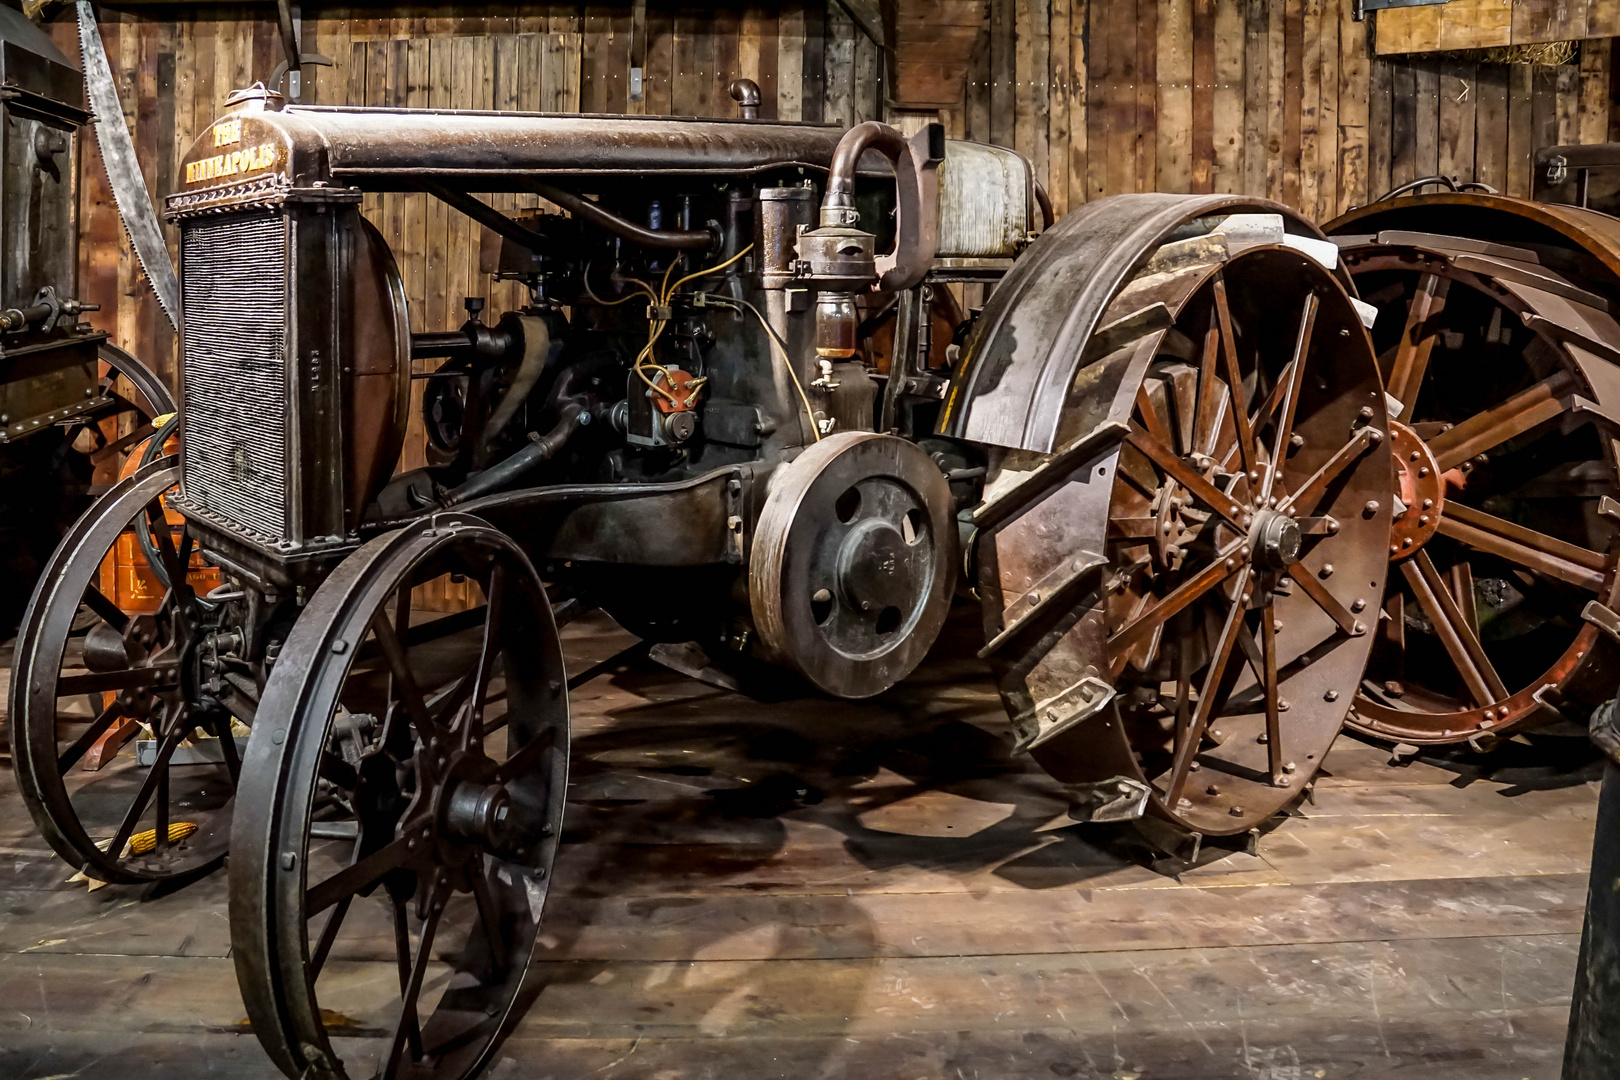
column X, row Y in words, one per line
column 806, row 889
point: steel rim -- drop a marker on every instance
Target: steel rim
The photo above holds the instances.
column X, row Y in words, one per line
column 122, row 801
column 1223, row 596
column 410, row 816
column 1480, row 619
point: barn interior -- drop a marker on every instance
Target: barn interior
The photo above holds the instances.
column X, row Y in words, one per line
column 572, row 675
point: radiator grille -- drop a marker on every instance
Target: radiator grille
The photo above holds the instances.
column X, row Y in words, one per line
column 234, row 374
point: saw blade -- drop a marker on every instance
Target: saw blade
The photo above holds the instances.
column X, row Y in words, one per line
column 123, row 171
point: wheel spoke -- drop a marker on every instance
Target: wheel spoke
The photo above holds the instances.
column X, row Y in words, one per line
column 1183, row 474
column 1530, row 549
column 489, row 649
column 1132, row 528
column 1234, row 380
column 1417, row 341
column 1311, row 587
column 108, row 611
column 227, row 749
column 409, row 1022
column 488, row 915
column 1192, row 738
column 98, row 727
column 1152, row 417
column 1290, row 402
column 97, row 682
column 1496, row 425
column 402, row 687
column 329, row 933
column 1223, row 566
column 1304, row 500
column 358, row 876
column 163, row 537
column 161, row 801
column 1462, row 591
column 158, row 775
column 520, row 762
column 1467, row 655
column 1183, row 686
column 409, row 1028
column 1206, row 420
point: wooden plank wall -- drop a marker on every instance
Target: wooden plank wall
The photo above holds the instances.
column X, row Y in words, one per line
column 1282, row 98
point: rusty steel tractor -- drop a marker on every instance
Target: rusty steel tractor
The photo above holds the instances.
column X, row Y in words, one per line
column 1159, row 457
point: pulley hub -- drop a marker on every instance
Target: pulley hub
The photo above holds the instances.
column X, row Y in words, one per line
column 481, row 812
column 876, row 567
column 1275, row 540
column 1420, row 493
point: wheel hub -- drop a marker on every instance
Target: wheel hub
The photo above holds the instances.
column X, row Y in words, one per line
column 1275, row 540
column 482, row 813
column 875, row 567
column 1420, row 493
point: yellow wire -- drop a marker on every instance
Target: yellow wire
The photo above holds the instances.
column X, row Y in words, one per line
column 663, row 287
column 625, row 299
column 787, row 362
column 704, row 273
column 655, row 329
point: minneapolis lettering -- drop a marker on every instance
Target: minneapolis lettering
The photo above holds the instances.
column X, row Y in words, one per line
column 262, row 156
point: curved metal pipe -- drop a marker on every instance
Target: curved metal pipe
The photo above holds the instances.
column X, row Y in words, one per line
column 857, row 140
column 579, row 206
column 507, row 471
column 1044, row 201
column 745, row 92
column 1422, row 182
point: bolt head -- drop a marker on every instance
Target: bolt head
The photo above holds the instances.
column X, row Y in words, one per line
column 1331, row 695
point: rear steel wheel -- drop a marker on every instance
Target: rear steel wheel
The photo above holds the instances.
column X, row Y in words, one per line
column 1498, row 541
column 1180, row 619
column 853, row 562
column 89, row 675
column 401, row 818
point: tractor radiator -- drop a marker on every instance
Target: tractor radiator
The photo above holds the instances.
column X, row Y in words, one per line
column 234, row 377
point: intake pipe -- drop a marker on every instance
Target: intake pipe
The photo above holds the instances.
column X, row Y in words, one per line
column 666, row 239
column 505, row 473
column 915, row 161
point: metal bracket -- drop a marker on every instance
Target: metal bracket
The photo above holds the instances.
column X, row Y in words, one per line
column 1060, row 713
column 1059, row 588
column 1049, row 474
column 1603, row 617
column 1121, row 798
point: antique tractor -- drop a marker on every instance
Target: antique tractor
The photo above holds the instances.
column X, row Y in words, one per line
column 1160, row 456
column 61, row 406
